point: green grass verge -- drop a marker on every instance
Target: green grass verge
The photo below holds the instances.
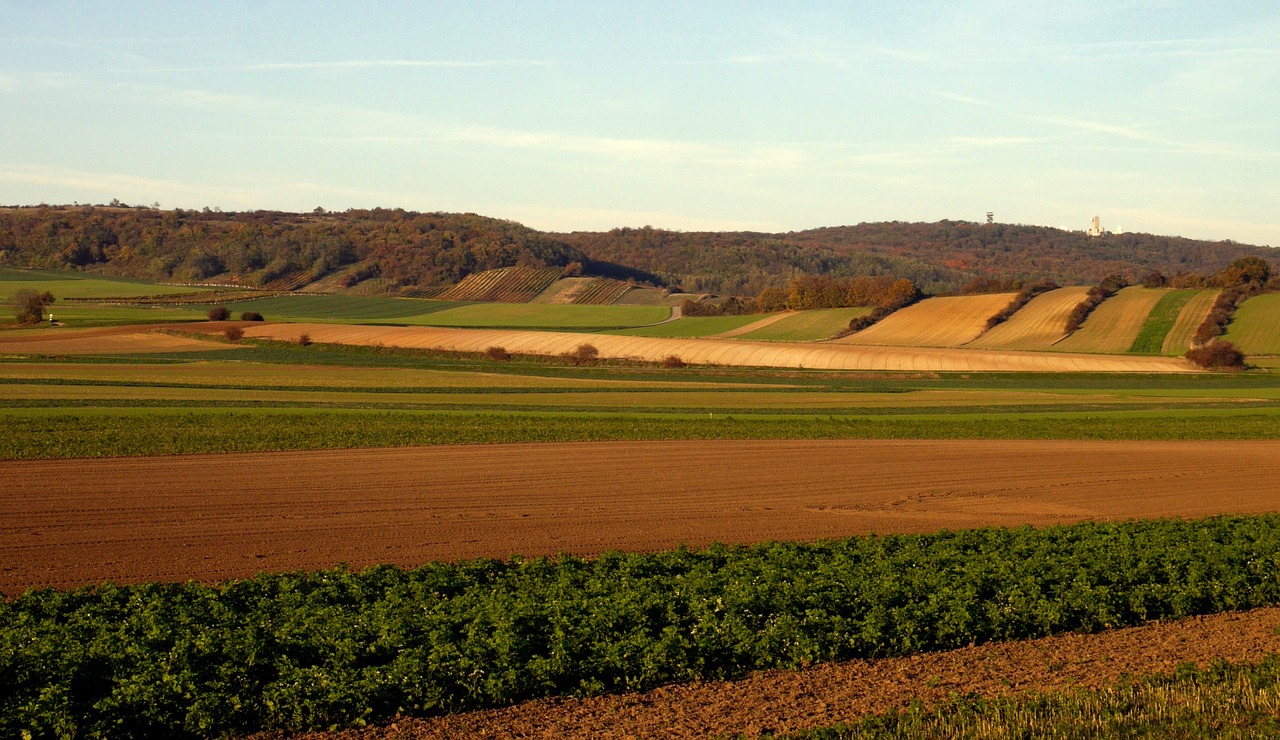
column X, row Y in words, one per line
column 1160, row 321
column 807, row 326
column 346, row 309
column 106, row 432
column 334, row 648
column 1222, row 701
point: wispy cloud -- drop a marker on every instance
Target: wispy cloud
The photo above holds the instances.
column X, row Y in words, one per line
column 351, row 64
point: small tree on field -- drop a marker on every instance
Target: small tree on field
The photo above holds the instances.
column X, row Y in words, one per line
column 1217, row 355
column 251, row 316
column 583, row 354
column 233, row 333
column 304, row 340
column 31, row 304
column 673, row 361
column 498, row 354
column 219, row 313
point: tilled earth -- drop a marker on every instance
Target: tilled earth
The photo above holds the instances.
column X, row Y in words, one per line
column 66, row 523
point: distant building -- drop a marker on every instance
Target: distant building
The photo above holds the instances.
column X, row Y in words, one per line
column 1096, row 229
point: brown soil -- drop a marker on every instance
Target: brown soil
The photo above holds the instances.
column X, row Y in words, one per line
column 65, row 523
column 116, row 339
column 790, row 701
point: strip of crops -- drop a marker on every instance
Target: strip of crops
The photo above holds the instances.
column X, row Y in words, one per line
column 337, row 648
column 157, row 431
column 1193, row 702
column 1160, row 321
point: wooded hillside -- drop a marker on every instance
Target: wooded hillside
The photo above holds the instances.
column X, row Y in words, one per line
column 398, row 251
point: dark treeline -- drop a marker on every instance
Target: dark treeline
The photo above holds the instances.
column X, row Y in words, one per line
column 806, row 292
column 939, row 257
column 403, row 249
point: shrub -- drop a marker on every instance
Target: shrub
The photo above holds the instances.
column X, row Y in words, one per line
column 583, row 354
column 219, row 313
column 1109, row 286
column 1217, row 355
column 673, row 361
column 1024, row 296
column 304, row 340
column 233, row 333
column 498, row 354
column 251, row 316
column 1219, row 316
column 30, row 305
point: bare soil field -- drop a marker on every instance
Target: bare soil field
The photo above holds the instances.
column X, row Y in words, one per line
column 66, row 523
column 114, row 339
column 824, row 695
column 813, row 355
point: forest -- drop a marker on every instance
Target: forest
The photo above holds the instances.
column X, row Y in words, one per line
column 399, row 252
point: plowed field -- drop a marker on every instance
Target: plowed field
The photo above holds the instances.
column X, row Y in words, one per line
column 1036, row 325
column 211, row 517
column 112, row 340
column 935, row 322
column 824, row 356
column 822, row 696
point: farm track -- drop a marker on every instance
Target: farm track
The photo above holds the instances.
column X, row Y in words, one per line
column 215, row 517
column 825, row 695
column 813, row 355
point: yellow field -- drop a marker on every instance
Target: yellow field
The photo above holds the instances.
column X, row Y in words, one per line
column 1256, row 326
column 1114, row 325
column 825, row 356
column 1178, row 341
column 1036, row 325
column 935, row 322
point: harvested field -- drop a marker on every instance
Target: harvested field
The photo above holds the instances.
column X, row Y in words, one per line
column 934, row 322
column 692, row 326
column 826, row 356
column 1036, row 325
column 825, row 695
column 1255, row 329
column 1114, row 324
column 214, row 517
column 805, row 326
column 110, row 340
column 1178, row 341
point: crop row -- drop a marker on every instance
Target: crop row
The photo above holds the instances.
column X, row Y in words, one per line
column 508, row 285
column 601, row 292
column 338, row 648
column 58, row 434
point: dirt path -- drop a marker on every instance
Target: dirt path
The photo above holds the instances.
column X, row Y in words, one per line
column 790, row 701
column 65, row 523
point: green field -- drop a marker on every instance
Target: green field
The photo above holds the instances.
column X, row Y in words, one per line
column 807, row 326
column 1255, row 329
column 1160, row 321
column 79, row 285
column 346, row 309
column 692, row 326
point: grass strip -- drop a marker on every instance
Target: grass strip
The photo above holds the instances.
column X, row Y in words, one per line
column 336, row 648
column 49, row 434
column 1222, row 701
column 1150, row 341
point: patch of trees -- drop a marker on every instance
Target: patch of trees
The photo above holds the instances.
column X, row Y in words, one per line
column 807, row 292
column 30, row 304
column 1217, row 355
column 903, row 296
column 1109, row 286
column 1242, row 279
column 1024, row 296
column 404, row 249
column 939, row 257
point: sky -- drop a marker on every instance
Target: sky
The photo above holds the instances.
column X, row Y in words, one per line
column 1156, row 116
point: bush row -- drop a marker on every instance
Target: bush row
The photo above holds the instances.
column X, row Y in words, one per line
column 1024, row 296
column 1096, row 295
column 338, row 648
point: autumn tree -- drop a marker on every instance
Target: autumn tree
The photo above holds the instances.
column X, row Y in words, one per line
column 30, row 305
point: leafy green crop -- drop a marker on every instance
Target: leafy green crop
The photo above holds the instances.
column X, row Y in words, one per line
column 337, row 648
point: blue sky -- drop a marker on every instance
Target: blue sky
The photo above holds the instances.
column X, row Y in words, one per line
column 1156, row 116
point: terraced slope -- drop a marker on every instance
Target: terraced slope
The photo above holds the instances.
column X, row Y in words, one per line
column 1036, row 325
column 1256, row 326
column 1178, row 340
column 804, row 326
column 506, row 285
column 935, row 322
column 1113, row 326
